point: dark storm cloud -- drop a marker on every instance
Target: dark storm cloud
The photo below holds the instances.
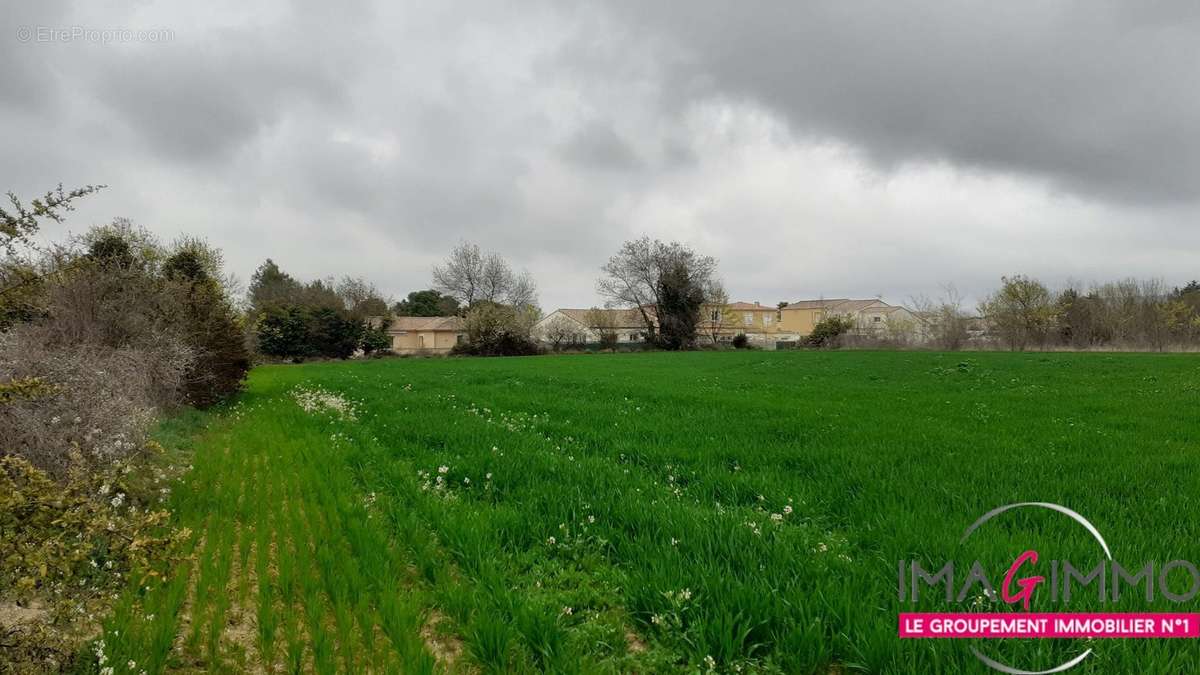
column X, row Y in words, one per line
column 1099, row 96
column 815, row 148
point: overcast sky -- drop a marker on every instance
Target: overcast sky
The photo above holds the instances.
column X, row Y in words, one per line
column 816, row 149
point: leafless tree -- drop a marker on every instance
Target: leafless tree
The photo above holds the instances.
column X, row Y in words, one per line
column 361, row 297
column 716, row 317
column 470, row 276
column 1139, row 313
column 604, row 322
column 899, row 332
column 943, row 323
column 559, row 331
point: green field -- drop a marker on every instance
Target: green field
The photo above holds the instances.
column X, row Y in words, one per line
column 733, row 511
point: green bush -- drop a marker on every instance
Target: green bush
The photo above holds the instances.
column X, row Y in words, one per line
column 295, row 332
column 68, row 546
column 376, row 340
column 211, row 328
column 494, row 329
column 828, row 332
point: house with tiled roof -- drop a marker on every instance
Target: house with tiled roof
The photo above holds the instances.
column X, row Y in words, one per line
column 764, row 325
column 628, row 324
column 426, row 334
column 720, row 323
column 871, row 317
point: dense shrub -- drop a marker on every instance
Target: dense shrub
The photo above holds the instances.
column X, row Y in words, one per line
column 740, row 341
column 503, row 345
column 293, row 320
column 296, row 332
column 333, row 335
column 69, row 545
column 829, row 331
column 95, row 400
column 125, row 328
column 282, row 332
column 375, row 339
column 212, row 329
column 499, row 330
column 99, row 335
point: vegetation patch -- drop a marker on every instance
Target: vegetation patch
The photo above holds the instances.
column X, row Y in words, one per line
column 697, row 512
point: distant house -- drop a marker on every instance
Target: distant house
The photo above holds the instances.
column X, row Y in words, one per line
column 759, row 323
column 426, row 334
column 723, row 322
column 872, row 318
column 764, row 325
column 628, row 325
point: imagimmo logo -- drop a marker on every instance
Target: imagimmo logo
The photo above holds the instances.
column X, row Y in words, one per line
column 1031, row 574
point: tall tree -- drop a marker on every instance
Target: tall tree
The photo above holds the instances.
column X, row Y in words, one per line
column 634, row 276
column 680, row 300
column 271, row 288
column 321, row 294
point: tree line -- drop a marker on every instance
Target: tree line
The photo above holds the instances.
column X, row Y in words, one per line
column 1134, row 314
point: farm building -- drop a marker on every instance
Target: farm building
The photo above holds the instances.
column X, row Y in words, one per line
column 426, row 334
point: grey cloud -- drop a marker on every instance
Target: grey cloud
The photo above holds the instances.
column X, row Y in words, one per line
column 1099, row 97
column 597, row 145
column 201, row 102
column 793, row 141
column 28, row 80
